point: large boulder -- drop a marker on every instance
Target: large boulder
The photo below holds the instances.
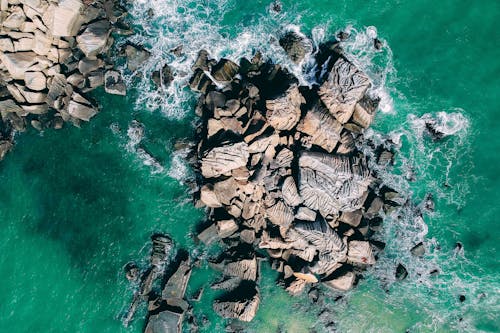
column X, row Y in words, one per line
column 94, row 38
column 242, row 303
column 322, row 128
column 136, row 55
column 81, row 111
column 18, row 63
column 296, row 45
column 283, row 112
column 66, row 18
column 221, row 160
column 333, row 183
column 345, row 87
column 165, row 322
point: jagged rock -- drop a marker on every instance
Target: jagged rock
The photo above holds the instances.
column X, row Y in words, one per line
column 226, row 228
column 200, row 81
column 113, row 83
column 165, row 322
column 5, row 146
column 283, row 113
column 136, row 55
column 330, row 183
column 305, row 214
column 280, row 214
column 208, row 196
column 87, row 65
column 164, row 77
column 247, row 236
column 209, row 235
column 343, row 283
column 9, row 105
column 66, row 18
column 290, row 192
column 351, row 218
column 81, row 111
column 201, row 61
column 323, row 129
column 15, row 19
column 418, row 250
column 175, row 288
column 18, row 63
column 245, row 269
column 242, row 308
column 6, row 45
column 35, row 81
column 296, row 287
column 296, row 45
column 224, row 70
column 162, row 245
column 94, row 38
column 364, row 112
column 346, row 86
column 360, row 252
column 308, row 277
column 401, row 272
column 221, row 160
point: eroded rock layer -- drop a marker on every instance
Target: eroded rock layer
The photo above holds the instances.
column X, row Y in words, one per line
column 280, row 172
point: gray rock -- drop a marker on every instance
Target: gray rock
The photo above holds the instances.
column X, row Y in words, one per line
column 66, row 18
column 283, row 113
column 345, row 87
column 94, row 38
column 296, row 45
column 323, row 129
column 35, row 80
column 81, row 111
column 165, row 322
column 224, row 70
column 136, row 56
column 5, row 147
column 221, row 160
column 113, row 83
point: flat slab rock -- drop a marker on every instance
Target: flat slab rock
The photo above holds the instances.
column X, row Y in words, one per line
column 221, row 160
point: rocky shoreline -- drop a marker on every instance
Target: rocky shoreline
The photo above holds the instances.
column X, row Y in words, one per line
column 52, row 54
column 282, row 175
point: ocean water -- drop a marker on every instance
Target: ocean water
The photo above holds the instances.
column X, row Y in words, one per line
column 77, row 204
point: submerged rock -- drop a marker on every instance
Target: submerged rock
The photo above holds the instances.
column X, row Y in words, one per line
column 296, row 45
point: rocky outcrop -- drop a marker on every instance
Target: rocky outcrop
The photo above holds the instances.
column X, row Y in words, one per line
column 280, row 171
column 167, row 305
column 51, row 55
column 296, row 45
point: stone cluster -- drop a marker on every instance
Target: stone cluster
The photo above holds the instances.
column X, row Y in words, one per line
column 52, row 53
column 166, row 304
column 280, row 172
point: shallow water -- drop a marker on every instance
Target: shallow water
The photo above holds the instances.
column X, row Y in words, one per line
column 79, row 203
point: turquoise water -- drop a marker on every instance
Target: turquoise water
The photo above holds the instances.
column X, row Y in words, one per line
column 79, row 203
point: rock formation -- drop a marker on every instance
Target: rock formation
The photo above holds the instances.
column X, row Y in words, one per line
column 280, row 171
column 52, row 53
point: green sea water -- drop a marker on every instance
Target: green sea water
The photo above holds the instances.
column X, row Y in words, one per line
column 77, row 204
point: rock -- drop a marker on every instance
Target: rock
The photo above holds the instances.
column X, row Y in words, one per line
column 94, row 38
column 175, row 288
column 15, row 19
column 364, row 112
column 80, row 111
column 37, row 125
column 10, row 106
column 6, row 45
column 360, row 252
column 162, row 246
column 290, row 192
column 313, row 295
column 343, row 283
column 87, row 65
column 221, row 160
column 308, row 277
column 113, row 83
column 296, row 287
column 331, row 183
column 35, row 81
column 131, row 272
column 226, row 228
column 351, row 218
column 461, row 298
column 296, row 45
column 245, row 269
column 418, row 250
column 200, row 81
column 323, row 129
column 164, row 77
column 280, row 214
column 209, row 235
column 401, row 272
column 201, row 61
column 18, row 63
column 247, row 236
column 208, row 196
column 224, row 71
column 136, row 56
column 305, row 214
column 5, row 147
column 167, row 321
column 241, row 304
column 345, row 87
column 283, row 113
column 66, row 18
